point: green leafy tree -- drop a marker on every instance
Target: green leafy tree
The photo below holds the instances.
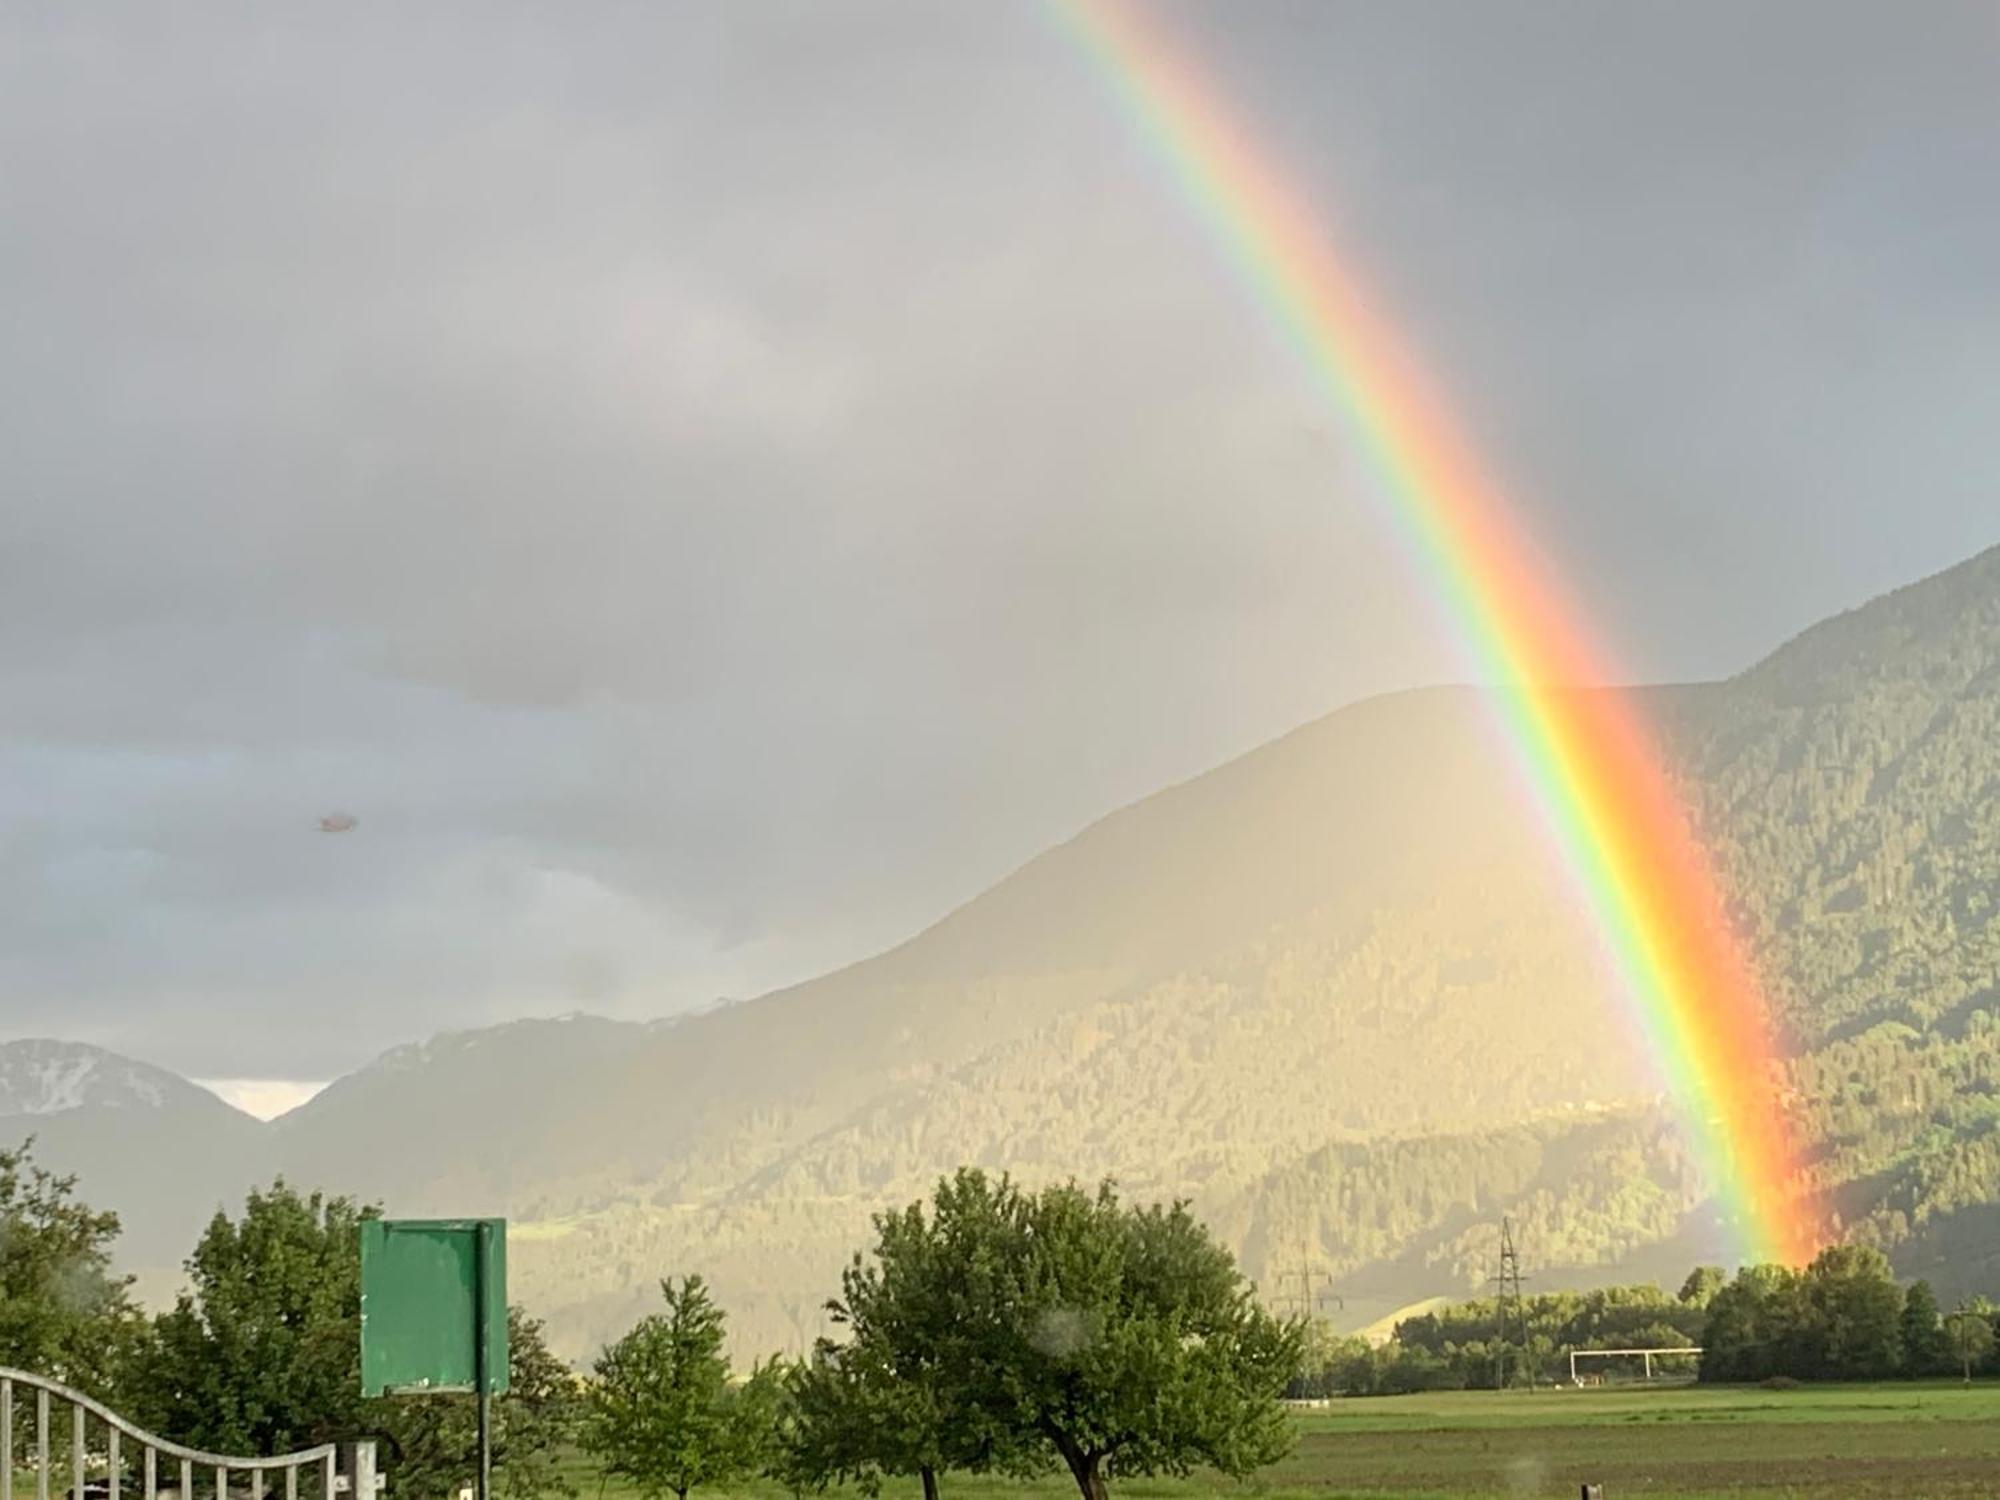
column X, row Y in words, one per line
column 1109, row 1334
column 662, row 1414
column 850, row 1425
column 63, row 1313
column 1858, row 1312
column 262, row 1354
column 435, row 1439
column 1761, row 1324
column 890, row 1400
column 1332, row 1364
column 762, row 1416
column 1702, row 1283
column 1926, row 1344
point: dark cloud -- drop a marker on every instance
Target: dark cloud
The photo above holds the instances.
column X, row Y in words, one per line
column 710, row 486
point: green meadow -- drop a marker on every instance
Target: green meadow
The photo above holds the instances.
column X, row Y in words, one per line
column 1673, row 1443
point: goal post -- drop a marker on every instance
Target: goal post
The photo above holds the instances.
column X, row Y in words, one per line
column 1645, row 1355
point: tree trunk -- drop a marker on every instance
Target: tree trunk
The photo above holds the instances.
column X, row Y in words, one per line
column 1086, row 1468
column 1088, row 1471
column 930, row 1482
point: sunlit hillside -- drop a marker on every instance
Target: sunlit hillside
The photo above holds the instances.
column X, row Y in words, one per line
column 1337, row 992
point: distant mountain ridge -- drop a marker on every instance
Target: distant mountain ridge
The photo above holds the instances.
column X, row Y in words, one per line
column 148, row 1143
column 42, row 1076
column 1336, row 991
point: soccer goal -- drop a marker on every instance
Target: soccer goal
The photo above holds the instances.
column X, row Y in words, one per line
column 1647, row 1357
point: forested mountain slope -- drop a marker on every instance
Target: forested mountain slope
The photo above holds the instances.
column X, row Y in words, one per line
column 1337, row 992
column 1852, row 783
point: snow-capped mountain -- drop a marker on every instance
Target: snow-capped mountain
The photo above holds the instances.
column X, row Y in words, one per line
column 42, row 1077
column 164, row 1152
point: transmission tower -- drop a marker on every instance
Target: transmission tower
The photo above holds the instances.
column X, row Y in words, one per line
column 1302, row 1301
column 1306, row 1276
column 1509, row 1309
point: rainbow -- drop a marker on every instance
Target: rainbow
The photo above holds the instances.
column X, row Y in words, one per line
column 1595, row 776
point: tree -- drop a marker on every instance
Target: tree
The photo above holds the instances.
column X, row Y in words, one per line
column 662, row 1413
column 851, row 1424
column 1108, row 1334
column 435, row 1439
column 62, row 1312
column 891, row 1399
column 762, row 1413
column 1859, row 1310
column 262, row 1354
column 1926, row 1345
column 1761, row 1324
column 1702, row 1283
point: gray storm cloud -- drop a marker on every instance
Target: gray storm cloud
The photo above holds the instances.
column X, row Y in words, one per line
column 708, row 487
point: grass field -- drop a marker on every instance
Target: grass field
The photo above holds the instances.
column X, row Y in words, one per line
column 1912, row 1442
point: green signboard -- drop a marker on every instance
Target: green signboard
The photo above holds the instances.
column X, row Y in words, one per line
column 433, row 1306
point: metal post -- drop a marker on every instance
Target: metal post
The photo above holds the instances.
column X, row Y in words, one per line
column 362, row 1482
column 481, row 1375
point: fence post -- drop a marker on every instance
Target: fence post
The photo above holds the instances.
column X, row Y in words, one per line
column 365, row 1484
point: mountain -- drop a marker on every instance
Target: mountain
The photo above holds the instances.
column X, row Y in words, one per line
column 1336, row 992
column 1302, row 945
column 42, row 1077
column 162, row 1151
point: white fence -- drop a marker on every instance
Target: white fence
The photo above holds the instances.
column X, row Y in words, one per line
column 119, row 1442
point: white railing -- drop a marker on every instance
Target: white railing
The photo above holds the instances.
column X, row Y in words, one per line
column 111, row 1458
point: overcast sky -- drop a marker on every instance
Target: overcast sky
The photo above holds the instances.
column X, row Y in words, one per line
column 711, row 487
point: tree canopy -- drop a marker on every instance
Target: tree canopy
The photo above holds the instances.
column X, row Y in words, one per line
column 662, row 1413
column 63, row 1312
column 1061, row 1327
column 262, row 1354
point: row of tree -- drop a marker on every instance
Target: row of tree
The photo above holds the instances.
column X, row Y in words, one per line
column 1480, row 1344
column 991, row 1331
column 994, row 1331
column 1844, row 1317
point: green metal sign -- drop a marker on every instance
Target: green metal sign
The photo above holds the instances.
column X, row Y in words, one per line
column 433, row 1306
